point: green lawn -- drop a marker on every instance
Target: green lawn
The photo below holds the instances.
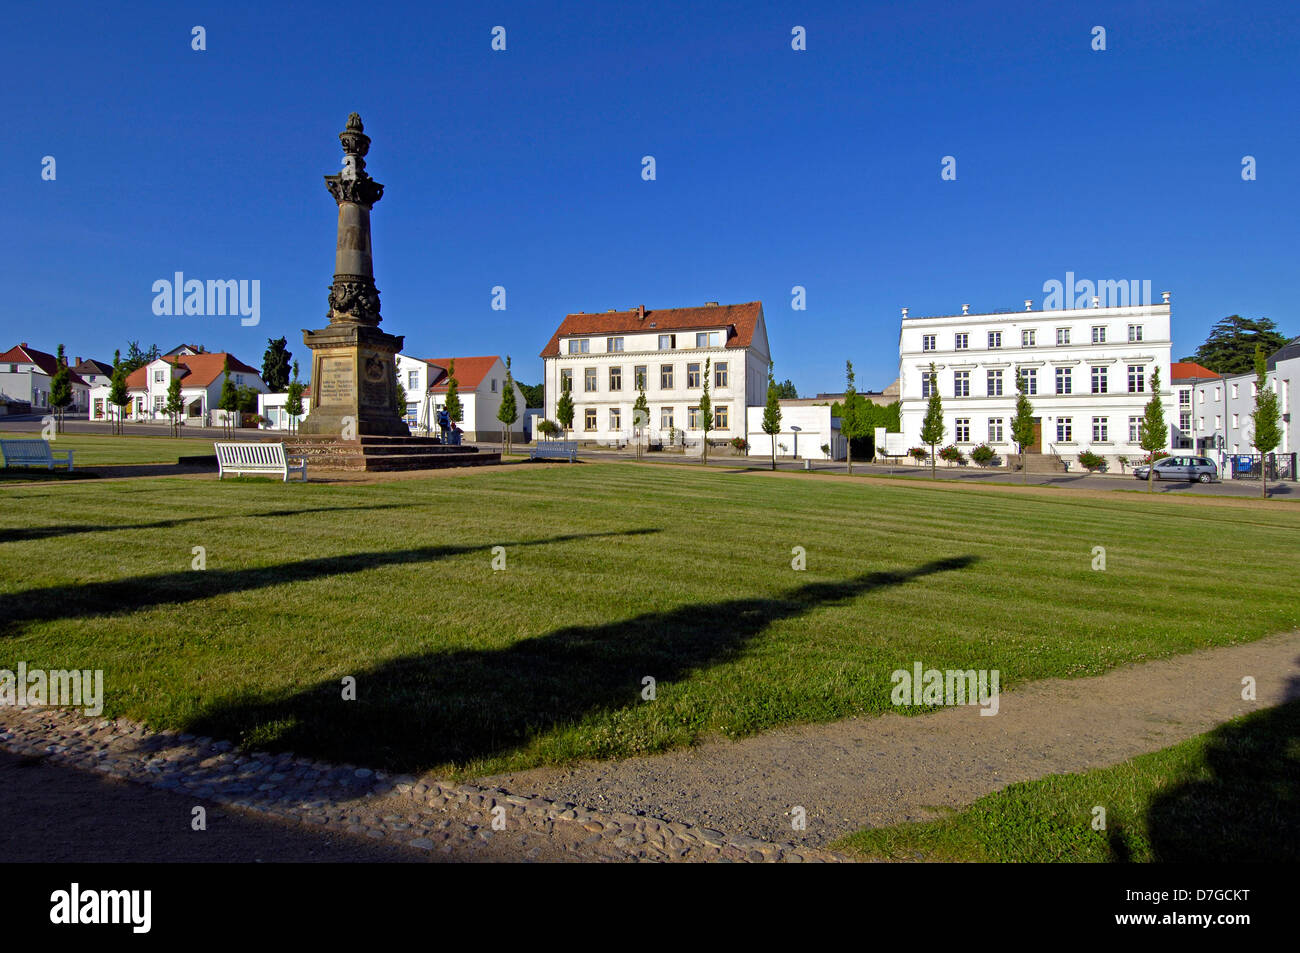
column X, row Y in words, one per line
column 1232, row 794
column 614, row 572
column 96, row 450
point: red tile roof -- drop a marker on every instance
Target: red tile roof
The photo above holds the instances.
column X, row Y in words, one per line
column 470, row 371
column 200, row 370
column 22, row 354
column 1188, row 370
column 739, row 319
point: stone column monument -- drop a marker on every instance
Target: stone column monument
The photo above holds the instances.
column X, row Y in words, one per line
column 352, row 366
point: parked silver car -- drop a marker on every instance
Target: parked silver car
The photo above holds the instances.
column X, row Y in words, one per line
column 1197, row 469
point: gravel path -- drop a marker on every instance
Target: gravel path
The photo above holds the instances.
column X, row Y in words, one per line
column 882, row 770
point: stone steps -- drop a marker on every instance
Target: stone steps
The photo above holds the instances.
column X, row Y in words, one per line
column 374, row 454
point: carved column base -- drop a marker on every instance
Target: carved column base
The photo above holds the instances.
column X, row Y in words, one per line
column 352, row 382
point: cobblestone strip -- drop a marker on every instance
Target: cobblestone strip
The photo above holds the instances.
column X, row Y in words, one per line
column 422, row 813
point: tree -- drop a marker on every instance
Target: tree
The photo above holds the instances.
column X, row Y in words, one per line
column 564, row 406
column 508, row 412
column 932, row 427
column 772, row 411
column 246, row 399
column 706, row 411
column 275, row 365
column 534, row 394
column 1230, row 346
column 118, row 395
column 640, row 414
column 1268, row 432
column 454, row 410
column 1022, row 424
column 229, row 400
column 786, row 390
column 851, row 415
column 399, row 392
column 61, row 388
column 175, row 405
column 293, row 402
column 1153, row 434
column 137, row 357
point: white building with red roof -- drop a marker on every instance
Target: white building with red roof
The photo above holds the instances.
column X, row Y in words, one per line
column 602, row 358
column 480, row 382
column 201, row 376
column 26, row 376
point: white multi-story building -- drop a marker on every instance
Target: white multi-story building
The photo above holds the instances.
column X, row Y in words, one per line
column 602, row 358
column 1220, row 408
column 27, row 377
column 1087, row 372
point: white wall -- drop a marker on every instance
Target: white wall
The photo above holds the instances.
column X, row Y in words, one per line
column 816, row 427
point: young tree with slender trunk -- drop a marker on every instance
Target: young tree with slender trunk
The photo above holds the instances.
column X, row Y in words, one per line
column 640, row 415
column 293, row 400
column 564, row 406
column 508, row 412
column 60, row 389
column 706, row 413
column 1153, row 434
column 229, row 400
column 851, row 421
column 175, row 405
column 1022, row 425
column 772, row 410
column 453, row 405
column 932, row 427
column 1268, row 430
column 118, row 395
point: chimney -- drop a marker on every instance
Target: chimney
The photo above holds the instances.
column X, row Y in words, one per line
column 1165, row 295
column 23, row 345
column 710, row 304
column 78, row 364
column 640, row 312
column 904, row 312
column 965, row 309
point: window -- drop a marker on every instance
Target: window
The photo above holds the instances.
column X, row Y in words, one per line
column 995, row 430
column 960, row 341
column 1029, row 379
column 721, row 417
column 566, row 379
column 494, row 385
column 693, row 418
column 995, row 384
column 158, row 375
column 1236, row 421
column 927, row 383
column 961, row 427
column 665, row 418
column 613, row 344
column 665, row 377
column 1062, row 336
column 616, row 378
column 708, row 339
column 1028, row 338
column 1254, row 388
column 589, row 379
column 638, row 376
column 239, row 380
column 995, row 339
column 667, row 342
column 412, row 380
column 1099, row 380
column 579, row 345
column 1200, row 396
column 927, row 342
column 1184, row 398
column 1236, row 391
column 158, row 403
column 1064, row 381
column 1135, row 332
column 720, row 378
column 615, row 419
column 961, row 383
column 412, row 412
column 1134, row 423
column 1064, row 430
column 589, row 418
column 1216, row 394
column 1218, row 421
column 692, row 375
column 1100, row 429
column 1184, row 420
column 1136, row 379
column 1098, row 334
column 99, row 408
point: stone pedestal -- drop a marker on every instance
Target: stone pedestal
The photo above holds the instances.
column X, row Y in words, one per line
column 352, row 389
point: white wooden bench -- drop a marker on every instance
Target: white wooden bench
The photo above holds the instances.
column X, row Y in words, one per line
column 260, row 458
column 33, row 453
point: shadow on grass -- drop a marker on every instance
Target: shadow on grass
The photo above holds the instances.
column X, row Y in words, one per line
column 1248, row 809
column 22, row 534
column 134, row 593
column 420, row 711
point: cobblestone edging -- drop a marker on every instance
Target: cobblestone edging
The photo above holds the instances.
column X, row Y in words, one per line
column 421, row 813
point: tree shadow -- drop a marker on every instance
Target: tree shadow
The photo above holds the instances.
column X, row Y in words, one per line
column 133, row 593
column 24, row 534
column 419, row 711
column 1248, row 809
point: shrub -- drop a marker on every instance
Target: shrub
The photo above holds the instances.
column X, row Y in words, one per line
column 1123, row 462
column 1092, row 462
column 547, row 428
column 951, row 455
column 983, row 455
column 1152, row 457
column 739, row 444
column 826, row 449
column 919, row 454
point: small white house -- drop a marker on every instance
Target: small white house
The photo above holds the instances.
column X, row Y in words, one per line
column 480, row 383
column 201, row 377
column 27, row 376
column 271, row 407
column 805, row 429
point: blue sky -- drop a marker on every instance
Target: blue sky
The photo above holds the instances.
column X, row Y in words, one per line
column 522, row 168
